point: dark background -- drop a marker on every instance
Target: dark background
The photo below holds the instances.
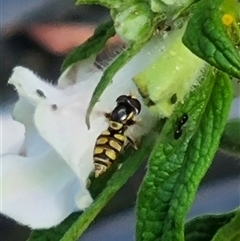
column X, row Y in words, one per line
column 24, row 43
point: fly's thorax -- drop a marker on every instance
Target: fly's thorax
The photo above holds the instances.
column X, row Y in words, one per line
column 122, row 113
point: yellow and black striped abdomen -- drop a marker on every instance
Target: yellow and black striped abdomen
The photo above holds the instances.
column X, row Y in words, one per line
column 107, row 148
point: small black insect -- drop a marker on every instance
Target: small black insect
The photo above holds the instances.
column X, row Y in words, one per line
column 40, row 93
column 54, row 107
column 177, row 133
column 181, row 122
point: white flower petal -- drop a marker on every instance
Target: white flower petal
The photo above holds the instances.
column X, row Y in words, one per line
column 40, row 192
column 33, row 144
column 12, row 134
column 63, row 129
column 29, row 85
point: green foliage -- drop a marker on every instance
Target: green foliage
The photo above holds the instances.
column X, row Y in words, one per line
column 111, row 4
column 170, row 74
column 230, row 231
column 206, row 36
column 134, row 22
column 168, row 5
column 176, row 167
column 92, row 46
column 230, row 141
column 204, row 228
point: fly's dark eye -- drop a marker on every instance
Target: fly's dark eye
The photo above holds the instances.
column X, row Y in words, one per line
column 135, row 104
column 122, row 99
column 131, row 101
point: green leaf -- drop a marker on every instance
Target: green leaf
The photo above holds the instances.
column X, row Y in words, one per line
column 206, row 36
column 176, row 167
column 230, row 141
column 107, row 3
column 168, row 5
column 132, row 162
column 205, row 227
column 230, row 231
column 92, row 46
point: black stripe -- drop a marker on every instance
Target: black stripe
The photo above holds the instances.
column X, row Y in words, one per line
column 101, row 162
column 104, row 157
column 104, row 162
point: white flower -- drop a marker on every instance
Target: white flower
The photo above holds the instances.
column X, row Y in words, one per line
column 44, row 174
column 47, row 150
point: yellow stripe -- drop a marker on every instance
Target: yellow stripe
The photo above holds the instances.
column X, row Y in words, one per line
column 98, row 150
column 111, row 154
column 120, row 137
column 115, row 145
column 102, row 140
column 106, row 133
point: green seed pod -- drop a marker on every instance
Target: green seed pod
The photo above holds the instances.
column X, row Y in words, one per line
column 133, row 23
column 173, row 73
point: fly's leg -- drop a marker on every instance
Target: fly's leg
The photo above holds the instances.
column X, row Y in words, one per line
column 107, row 115
column 131, row 142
